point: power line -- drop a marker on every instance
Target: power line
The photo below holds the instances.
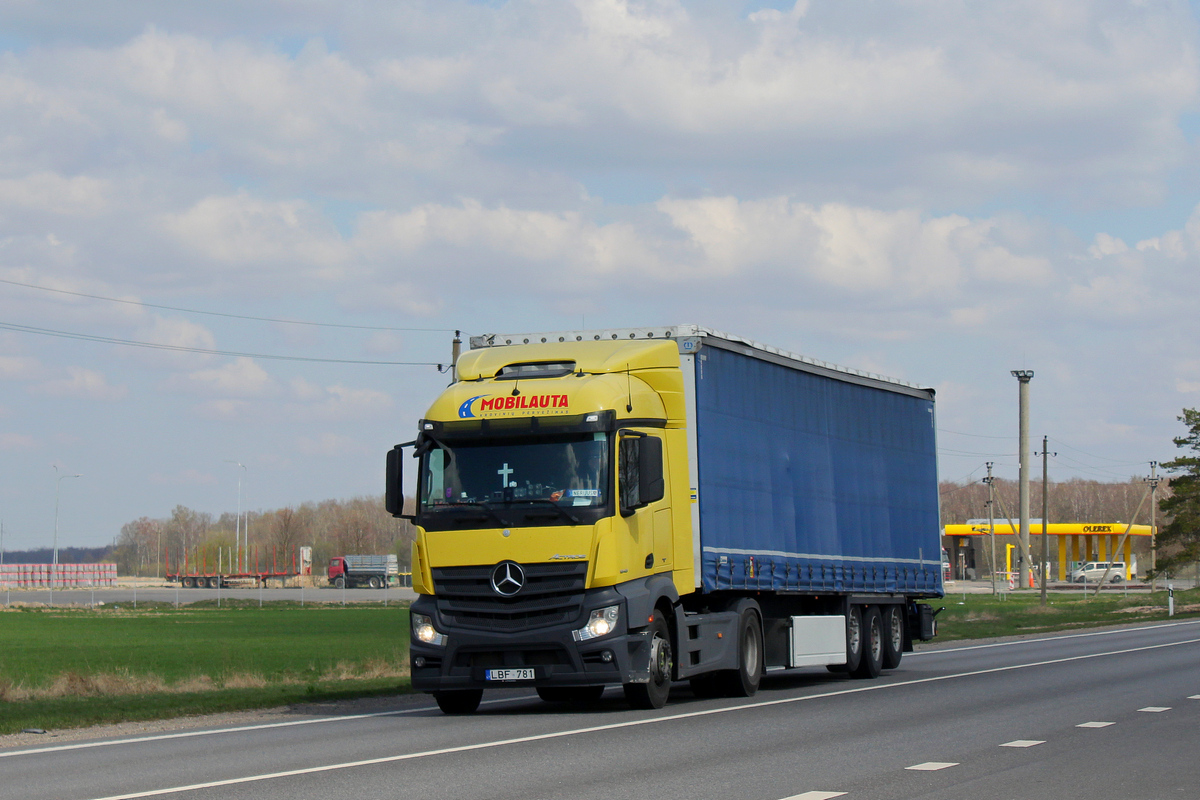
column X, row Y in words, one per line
column 223, row 314
column 974, row 435
column 87, row 337
column 1114, row 461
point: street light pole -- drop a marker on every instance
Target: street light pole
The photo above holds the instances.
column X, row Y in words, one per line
column 1024, row 376
column 57, row 488
column 237, row 540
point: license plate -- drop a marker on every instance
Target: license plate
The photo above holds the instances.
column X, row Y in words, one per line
column 525, row 674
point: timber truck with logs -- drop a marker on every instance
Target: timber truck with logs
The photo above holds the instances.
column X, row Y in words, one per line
column 642, row 506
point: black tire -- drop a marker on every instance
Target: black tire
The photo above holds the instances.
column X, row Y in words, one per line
column 893, row 636
column 459, row 701
column 339, row 582
column 374, row 582
column 214, row 583
column 653, row 694
column 744, row 681
column 570, row 694
column 872, row 645
column 187, row 583
column 854, row 641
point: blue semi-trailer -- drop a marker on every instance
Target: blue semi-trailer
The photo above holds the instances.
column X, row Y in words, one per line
column 639, row 506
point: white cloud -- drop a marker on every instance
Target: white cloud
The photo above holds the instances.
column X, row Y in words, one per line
column 16, row 441
column 240, row 378
column 186, row 477
column 83, row 383
column 15, row 368
column 330, row 444
column 50, row 192
column 339, row 403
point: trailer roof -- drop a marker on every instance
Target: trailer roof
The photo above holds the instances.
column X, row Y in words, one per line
column 683, row 332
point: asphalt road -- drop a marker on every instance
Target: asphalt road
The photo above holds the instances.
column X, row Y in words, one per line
column 1089, row 715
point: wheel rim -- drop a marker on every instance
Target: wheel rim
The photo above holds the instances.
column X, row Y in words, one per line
column 660, row 660
column 876, row 639
column 896, row 629
column 854, row 629
column 750, row 651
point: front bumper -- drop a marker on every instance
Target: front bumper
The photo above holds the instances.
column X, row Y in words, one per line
column 552, row 652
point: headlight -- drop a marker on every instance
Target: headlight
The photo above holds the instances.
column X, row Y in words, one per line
column 423, row 631
column 602, row 622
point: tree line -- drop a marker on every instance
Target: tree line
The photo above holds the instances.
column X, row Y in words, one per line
column 358, row 526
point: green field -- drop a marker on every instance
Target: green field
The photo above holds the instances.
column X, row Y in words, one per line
column 62, row 668
column 66, row 667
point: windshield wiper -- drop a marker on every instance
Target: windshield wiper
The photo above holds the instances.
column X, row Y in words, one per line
column 542, row 501
column 488, row 510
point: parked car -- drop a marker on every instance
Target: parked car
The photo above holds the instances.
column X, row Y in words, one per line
column 1093, row 571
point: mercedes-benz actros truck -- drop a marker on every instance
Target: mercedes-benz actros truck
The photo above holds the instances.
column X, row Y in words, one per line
column 643, row 506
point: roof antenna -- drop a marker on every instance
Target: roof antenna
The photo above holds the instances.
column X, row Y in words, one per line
column 628, row 390
column 515, row 390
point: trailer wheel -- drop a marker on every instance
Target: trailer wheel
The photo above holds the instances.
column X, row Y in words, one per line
column 459, row 701
column 744, row 681
column 374, row 582
column 653, row 694
column 185, row 583
column 893, row 636
column 570, row 694
column 854, row 641
column 872, row 645
column 339, row 582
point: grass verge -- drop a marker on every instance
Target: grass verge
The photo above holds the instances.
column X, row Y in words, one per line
column 75, row 667
column 981, row 616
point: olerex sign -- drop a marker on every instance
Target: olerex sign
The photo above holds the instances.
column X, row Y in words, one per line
column 484, row 405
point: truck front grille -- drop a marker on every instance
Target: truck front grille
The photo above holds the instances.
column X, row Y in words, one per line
column 552, row 595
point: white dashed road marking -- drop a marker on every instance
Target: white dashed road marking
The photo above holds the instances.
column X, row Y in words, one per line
column 816, row 796
column 1024, row 743
column 1155, row 709
column 932, row 766
column 1094, row 724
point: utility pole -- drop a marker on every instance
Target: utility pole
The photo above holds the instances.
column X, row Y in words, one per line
column 455, row 349
column 1024, row 376
column 1045, row 519
column 989, row 480
column 1153, row 523
column 57, row 487
column 237, row 536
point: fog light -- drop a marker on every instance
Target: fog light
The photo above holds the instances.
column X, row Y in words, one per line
column 419, row 661
column 606, row 656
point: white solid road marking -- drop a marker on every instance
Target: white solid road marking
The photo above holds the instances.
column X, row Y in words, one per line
column 933, row 766
column 635, row 723
column 1155, row 709
column 816, row 796
column 1024, row 743
column 1094, row 724
column 938, row 651
column 1194, row 697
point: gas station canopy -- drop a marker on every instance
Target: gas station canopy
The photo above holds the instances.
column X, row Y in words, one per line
column 1077, row 541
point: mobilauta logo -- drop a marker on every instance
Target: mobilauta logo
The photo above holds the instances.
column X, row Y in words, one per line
column 489, row 405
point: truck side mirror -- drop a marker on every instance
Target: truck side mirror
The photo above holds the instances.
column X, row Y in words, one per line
column 639, row 471
column 393, row 498
column 650, row 470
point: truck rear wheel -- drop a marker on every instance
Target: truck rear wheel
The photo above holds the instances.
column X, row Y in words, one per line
column 214, row 583
column 893, row 636
column 744, row 681
column 854, row 641
column 872, row 645
column 458, row 701
column 374, row 582
column 653, row 694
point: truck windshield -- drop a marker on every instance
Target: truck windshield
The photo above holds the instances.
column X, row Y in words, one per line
column 552, row 480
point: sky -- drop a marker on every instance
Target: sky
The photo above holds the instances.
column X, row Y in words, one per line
column 936, row 190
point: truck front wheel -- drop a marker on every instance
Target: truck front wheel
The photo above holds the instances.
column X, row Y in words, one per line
column 653, row 694
column 459, row 701
column 339, row 582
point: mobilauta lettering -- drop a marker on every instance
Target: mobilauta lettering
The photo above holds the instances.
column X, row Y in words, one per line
column 523, row 401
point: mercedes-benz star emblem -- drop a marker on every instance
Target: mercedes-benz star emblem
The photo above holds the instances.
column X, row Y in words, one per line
column 508, row 578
